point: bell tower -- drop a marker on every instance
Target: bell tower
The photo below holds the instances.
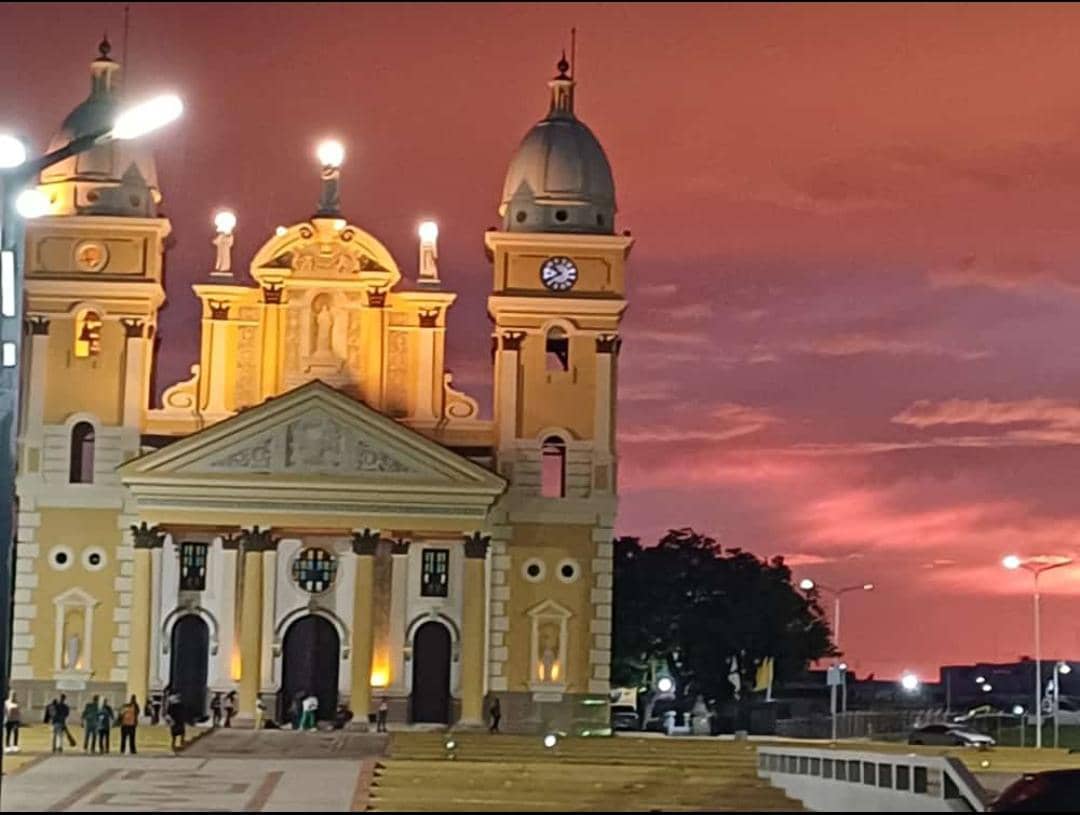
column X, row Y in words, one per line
column 558, row 295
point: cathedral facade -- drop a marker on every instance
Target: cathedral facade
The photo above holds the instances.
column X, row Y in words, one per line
column 317, row 509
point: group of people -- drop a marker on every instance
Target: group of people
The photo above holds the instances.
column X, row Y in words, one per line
column 98, row 718
column 223, row 704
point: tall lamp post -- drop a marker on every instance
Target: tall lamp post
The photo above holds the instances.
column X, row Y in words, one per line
column 1036, row 565
column 19, row 201
column 806, row 584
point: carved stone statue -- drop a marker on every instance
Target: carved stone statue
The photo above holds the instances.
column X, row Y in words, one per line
column 549, row 652
column 325, row 323
column 71, row 655
column 223, row 241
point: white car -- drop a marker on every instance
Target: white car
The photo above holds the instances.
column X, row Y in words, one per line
column 950, row 735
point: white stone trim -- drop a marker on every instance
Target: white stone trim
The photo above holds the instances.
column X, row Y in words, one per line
column 77, row 599
column 498, row 624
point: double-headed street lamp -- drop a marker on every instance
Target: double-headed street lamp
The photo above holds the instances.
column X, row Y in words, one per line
column 1037, row 565
column 806, row 584
column 19, row 199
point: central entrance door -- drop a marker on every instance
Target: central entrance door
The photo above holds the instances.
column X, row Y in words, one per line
column 189, row 664
column 310, row 656
column 431, row 674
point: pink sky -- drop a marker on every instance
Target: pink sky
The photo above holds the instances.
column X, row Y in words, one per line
column 855, row 287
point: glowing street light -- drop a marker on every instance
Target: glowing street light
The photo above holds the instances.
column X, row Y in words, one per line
column 550, row 740
column 1036, row 565
column 987, row 687
column 147, row 117
column 909, row 682
column 12, row 151
column 32, row 203
column 225, row 221
column 665, row 684
column 1061, row 668
column 331, row 153
column 428, row 231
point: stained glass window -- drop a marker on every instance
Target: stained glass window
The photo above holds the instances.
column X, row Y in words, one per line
column 434, row 579
column 193, row 566
column 314, row 570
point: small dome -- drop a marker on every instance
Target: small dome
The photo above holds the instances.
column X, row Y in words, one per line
column 559, row 179
column 115, row 178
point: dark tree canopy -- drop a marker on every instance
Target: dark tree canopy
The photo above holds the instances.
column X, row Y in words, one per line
column 692, row 604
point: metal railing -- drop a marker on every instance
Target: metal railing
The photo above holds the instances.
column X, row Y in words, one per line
column 820, row 777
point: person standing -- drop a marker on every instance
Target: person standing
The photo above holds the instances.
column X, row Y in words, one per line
column 230, row 707
column 106, row 716
column 57, row 715
column 129, row 720
column 307, row 716
column 90, row 725
column 176, row 716
column 215, row 710
column 380, row 717
column 12, row 722
column 496, row 715
column 260, row 712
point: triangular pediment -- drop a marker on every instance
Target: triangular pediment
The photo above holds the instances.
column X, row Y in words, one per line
column 313, row 434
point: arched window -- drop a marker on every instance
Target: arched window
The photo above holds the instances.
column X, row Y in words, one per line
column 87, row 334
column 553, row 468
column 558, row 350
column 82, row 454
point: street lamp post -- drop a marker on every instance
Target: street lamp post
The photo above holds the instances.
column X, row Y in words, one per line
column 1059, row 668
column 806, row 584
column 16, row 174
column 1036, row 565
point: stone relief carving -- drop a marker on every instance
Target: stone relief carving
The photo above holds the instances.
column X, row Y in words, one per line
column 256, row 457
column 247, row 361
column 292, row 340
column 397, row 373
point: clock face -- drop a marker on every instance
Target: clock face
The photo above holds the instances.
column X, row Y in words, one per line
column 559, row 274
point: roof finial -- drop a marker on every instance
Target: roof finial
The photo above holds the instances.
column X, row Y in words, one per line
column 104, row 47
column 563, row 66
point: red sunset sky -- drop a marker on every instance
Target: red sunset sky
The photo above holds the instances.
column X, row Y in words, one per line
column 855, row 294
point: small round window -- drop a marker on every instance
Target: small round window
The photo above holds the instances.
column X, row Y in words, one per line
column 561, row 215
column 520, row 216
column 533, row 570
column 61, row 557
column 569, row 570
column 94, row 559
column 314, row 570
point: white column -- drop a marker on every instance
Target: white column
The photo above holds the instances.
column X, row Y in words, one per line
column 156, row 680
column 269, row 608
column 399, row 587
column 134, row 368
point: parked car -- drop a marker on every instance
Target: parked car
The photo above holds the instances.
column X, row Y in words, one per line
column 1052, row 791
column 625, row 718
column 949, row 735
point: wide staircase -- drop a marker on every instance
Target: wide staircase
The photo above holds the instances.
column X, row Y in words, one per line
column 516, row 773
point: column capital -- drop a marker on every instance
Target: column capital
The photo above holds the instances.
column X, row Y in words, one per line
column 133, row 327
column 272, row 293
column 399, row 547
column 364, row 542
column 250, row 540
column 608, row 344
column 511, row 340
column 219, row 309
column 429, row 317
column 147, row 537
column 376, row 298
column 476, row 545
column 36, row 325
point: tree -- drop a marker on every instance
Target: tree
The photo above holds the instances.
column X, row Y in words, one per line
column 691, row 605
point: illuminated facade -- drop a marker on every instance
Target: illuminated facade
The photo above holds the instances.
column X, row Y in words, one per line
column 317, row 509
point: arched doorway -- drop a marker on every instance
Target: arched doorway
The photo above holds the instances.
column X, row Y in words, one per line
column 189, row 664
column 431, row 673
column 310, row 657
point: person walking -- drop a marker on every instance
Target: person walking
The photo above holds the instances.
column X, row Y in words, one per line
column 105, row 720
column 307, row 716
column 129, row 720
column 230, row 707
column 380, row 716
column 215, row 710
column 496, row 715
column 12, row 722
column 90, row 725
column 57, row 714
column 176, row 716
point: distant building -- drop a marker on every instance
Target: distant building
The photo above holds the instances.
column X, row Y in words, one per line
column 1004, row 685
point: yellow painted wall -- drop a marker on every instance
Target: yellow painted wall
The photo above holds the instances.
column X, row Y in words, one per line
column 551, row 543
column 558, row 398
column 597, row 272
column 92, row 384
column 79, row 529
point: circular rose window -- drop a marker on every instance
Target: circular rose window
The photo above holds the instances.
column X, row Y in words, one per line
column 314, row 570
column 90, row 256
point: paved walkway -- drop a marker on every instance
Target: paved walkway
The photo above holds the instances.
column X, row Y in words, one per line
column 117, row 784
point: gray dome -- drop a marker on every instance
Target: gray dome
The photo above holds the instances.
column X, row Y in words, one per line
column 115, row 178
column 559, row 179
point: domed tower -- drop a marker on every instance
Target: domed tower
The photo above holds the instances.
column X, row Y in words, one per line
column 558, row 296
column 93, row 288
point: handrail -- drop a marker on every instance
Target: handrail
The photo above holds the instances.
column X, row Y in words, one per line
column 941, row 777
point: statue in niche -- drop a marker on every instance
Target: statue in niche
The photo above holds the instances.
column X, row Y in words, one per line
column 323, row 327
column 71, row 656
column 223, row 242
column 548, row 652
